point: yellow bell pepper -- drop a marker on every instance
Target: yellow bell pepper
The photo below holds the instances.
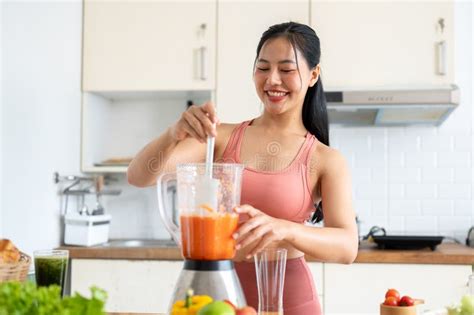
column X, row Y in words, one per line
column 191, row 305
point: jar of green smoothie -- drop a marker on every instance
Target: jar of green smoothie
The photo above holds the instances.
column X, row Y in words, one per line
column 51, row 267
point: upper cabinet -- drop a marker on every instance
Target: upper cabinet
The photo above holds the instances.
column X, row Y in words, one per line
column 149, row 45
column 376, row 43
column 240, row 24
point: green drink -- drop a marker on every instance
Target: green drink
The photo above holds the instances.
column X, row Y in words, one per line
column 51, row 267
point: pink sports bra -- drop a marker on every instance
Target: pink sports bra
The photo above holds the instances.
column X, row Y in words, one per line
column 283, row 194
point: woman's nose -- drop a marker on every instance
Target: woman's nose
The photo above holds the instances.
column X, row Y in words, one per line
column 273, row 77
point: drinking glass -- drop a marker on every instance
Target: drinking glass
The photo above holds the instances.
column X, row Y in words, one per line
column 51, row 267
column 270, row 267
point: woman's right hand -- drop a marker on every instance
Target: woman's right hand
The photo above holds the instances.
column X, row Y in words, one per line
column 196, row 122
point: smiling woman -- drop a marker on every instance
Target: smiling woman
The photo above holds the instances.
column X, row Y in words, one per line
column 282, row 83
column 289, row 166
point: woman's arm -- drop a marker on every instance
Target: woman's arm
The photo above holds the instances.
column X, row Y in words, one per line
column 337, row 241
column 182, row 142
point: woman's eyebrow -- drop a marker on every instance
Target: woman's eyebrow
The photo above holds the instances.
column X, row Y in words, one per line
column 280, row 62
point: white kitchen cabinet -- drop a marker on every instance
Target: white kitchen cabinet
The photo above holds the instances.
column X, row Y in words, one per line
column 132, row 285
column 374, row 43
column 149, row 45
column 240, row 25
column 117, row 125
column 360, row 288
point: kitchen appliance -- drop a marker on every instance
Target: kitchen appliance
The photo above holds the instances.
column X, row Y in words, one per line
column 407, row 241
column 86, row 230
column 470, row 237
column 391, row 107
column 204, row 232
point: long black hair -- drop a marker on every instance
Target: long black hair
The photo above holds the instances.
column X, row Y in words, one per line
column 315, row 116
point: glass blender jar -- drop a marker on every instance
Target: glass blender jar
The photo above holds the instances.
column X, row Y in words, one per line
column 206, row 223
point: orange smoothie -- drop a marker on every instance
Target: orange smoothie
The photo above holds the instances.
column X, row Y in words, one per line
column 208, row 237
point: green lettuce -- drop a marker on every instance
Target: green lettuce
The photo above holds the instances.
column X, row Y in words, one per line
column 27, row 299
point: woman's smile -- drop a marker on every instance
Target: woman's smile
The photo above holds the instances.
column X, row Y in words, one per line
column 276, row 96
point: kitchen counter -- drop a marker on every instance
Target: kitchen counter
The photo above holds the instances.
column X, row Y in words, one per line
column 445, row 253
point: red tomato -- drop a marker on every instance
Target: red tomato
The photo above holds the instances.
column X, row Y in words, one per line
column 391, row 301
column 394, row 293
column 406, row 301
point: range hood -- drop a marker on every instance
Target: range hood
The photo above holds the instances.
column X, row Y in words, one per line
column 391, row 107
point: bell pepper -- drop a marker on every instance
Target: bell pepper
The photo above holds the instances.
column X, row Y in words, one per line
column 191, row 305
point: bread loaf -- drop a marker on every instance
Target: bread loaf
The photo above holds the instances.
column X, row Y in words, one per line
column 8, row 251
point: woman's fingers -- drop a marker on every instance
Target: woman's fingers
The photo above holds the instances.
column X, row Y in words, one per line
column 210, row 110
column 199, row 121
column 265, row 241
column 246, row 228
column 208, row 125
column 190, row 130
column 194, row 123
column 247, row 209
column 253, row 235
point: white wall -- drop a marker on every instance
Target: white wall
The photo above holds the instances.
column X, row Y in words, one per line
column 1, row 117
column 41, row 115
column 419, row 179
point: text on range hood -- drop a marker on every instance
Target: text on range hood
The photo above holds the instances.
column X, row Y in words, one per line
column 392, row 107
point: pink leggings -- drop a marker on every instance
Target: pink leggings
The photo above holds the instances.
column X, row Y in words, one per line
column 299, row 293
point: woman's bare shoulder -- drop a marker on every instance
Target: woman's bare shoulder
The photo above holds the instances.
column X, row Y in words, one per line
column 224, row 131
column 226, row 127
column 327, row 159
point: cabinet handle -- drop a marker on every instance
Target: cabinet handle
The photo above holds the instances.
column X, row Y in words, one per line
column 203, row 62
column 441, row 58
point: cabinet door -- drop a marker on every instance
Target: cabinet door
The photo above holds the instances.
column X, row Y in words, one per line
column 148, row 45
column 376, row 43
column 360, row 288
column 138, row 286
column 241, row 24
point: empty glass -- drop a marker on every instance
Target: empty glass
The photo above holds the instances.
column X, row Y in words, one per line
column 270, row 267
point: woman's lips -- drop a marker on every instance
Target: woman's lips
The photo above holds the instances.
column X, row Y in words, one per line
column 276, row 96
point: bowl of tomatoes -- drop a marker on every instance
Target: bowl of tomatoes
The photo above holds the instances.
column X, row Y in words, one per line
column 395, row 304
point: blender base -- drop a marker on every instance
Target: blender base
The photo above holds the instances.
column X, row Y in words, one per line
column 216, row 278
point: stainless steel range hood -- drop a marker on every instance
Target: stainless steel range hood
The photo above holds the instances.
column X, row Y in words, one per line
column 392, row 107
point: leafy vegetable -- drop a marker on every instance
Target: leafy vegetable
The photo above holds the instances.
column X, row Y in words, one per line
column 27, row 299
column 466, row 307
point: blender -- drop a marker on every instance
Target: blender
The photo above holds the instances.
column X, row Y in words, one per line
column 206, row 223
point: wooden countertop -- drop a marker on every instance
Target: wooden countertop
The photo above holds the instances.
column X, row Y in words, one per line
column 445, row 253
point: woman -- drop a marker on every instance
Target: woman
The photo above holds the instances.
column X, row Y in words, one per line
column 289, row 166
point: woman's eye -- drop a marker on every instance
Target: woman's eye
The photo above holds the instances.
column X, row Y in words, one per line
column 287, row 70
column 262, row 69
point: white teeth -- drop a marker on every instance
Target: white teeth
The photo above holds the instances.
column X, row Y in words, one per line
column 272, row 93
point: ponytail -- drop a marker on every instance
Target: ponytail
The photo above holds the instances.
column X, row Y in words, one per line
column 315, row 120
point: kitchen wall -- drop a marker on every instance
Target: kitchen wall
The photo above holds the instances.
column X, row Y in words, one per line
column 41, row 46
column 419, row 179
column 1, row 119
column 413, row 179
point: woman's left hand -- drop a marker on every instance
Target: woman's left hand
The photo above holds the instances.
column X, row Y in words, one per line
column 259, row 227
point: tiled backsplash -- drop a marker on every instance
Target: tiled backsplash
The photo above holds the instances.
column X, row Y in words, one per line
column 412, row 179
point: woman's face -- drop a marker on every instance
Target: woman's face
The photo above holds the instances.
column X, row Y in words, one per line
column 279, row 84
